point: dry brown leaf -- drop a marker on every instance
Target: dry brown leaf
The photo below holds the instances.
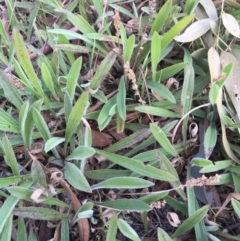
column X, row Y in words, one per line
column 57, row 236
column 100, row 139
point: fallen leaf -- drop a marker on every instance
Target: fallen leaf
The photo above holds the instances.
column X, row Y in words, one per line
column 100, row 139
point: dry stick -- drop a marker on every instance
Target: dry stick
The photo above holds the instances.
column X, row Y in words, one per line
column 83, row 224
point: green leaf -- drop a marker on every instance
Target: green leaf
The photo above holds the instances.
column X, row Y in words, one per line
column 65, row 230
column 127, row 230
column 161, row 17
column 25, row 62
column 76, row 178
column 112, row 229
column 52, row 143
column 73, row 77
column 24, row 193
column 7, row 231
column 123, row 182
column 39, row 213
column 226, row 73
column 8, row 123
column 9, row 156
column 168, row 72
column 7, row 181
column 103, row 174
column 210, row 140
column 236, row 206
column 128, row 48
column 155, row 53
column 175, row 30
column 21, row 230
column 27, row 124
column 157, row 111
column 41, row 124
column 103, row 70
column 167, row 166
column 121, row 99
column 8, row 206
column 47, row 78
column 137, row 166
column 81, row 152
column 161, row 90
column 38, row 175
column 201, row 162
column 10, row 90
column 75, row 116
column 192, row 220
column 153, row 197
column 163, row 236
column 219, row 165
column 104, row 117
column 125, row 204
column 190, row 6
column 162, row 139
column 22, row 120
column 213, row 94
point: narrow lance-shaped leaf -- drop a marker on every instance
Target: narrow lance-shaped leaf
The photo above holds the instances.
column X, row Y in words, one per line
column 161, row 17
column 9, row 156
column 161, row 137
column 8, row 123
column 8, row 206
column 103, row 69
column 175, row 30
column 112, row 229
column 127, row 230
column 65, row 230
column 73, row 77
column 24, row 60
column 121, row 99
column 123, row 182
column 210, row 140
column 39, row 213
column 163, row 236
column 75, row 116
column 155, row 53
column 137, row 166
column 125, row 204
column 128, row 48
column 10, row 90
column 191, row 221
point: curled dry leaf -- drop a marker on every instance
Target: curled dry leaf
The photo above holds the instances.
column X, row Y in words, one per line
column 36, row 195
column 173, row 219
column 193, row 129
column 172, row 82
